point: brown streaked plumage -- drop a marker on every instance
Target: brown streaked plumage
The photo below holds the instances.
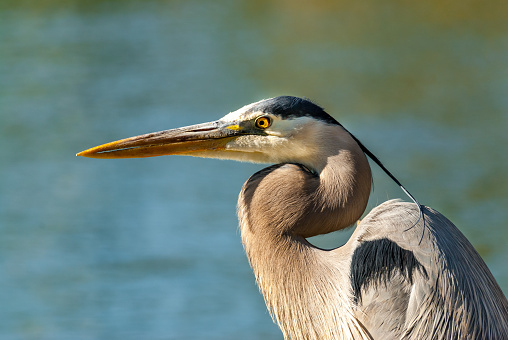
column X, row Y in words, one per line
column 399, row 276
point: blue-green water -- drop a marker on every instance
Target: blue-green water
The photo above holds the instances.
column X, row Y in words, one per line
column 150, row 249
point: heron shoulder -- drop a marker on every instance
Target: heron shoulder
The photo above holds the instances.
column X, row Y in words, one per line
column 432, row 269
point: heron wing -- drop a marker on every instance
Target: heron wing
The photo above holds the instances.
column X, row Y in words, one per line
column 414, row 281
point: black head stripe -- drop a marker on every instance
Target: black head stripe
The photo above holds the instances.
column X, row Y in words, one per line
column 288, row 107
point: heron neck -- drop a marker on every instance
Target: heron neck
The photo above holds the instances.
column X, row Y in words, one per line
column 306, row 289
column 340, row 196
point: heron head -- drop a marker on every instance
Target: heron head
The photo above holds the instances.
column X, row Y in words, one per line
column 276, row 130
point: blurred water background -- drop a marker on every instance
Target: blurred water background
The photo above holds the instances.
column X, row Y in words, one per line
column 150, row 249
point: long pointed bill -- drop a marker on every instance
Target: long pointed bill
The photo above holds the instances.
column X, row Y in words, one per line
column 186, row 140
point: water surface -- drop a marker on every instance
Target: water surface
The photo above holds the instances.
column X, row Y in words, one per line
column 150, row 249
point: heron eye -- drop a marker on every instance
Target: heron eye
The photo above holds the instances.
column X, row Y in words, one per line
column 263, row 122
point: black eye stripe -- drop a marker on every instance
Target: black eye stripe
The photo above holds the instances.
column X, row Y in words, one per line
column 287, row 107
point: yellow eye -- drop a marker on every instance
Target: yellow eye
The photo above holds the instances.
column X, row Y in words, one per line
column 263, row 122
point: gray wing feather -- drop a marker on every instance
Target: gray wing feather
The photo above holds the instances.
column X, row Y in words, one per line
column 432, row 287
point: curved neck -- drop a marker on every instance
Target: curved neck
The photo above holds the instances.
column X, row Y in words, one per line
column 306, row 289
column 328, row 193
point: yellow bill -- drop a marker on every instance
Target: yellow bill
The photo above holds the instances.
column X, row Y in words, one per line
column 186, row 140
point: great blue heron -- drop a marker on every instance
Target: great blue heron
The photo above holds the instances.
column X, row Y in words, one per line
column 406, row 272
